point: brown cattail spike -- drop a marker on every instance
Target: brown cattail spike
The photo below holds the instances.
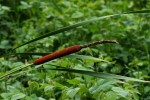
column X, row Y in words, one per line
column 57, row 54
column 99, row 42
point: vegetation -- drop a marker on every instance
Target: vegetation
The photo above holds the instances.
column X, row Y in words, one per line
column 30, row 29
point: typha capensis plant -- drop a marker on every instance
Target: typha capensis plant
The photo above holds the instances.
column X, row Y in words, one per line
column 58, row 54
column 70, row 50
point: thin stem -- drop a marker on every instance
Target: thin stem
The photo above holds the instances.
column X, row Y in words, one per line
column 99, row 42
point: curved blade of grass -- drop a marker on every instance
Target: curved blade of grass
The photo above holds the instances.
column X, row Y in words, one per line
column 91, row 73
column 14, row 70
column 77, row 25
column 98, row 74
column 65, row 29
column 89, row 58
column 138, row 11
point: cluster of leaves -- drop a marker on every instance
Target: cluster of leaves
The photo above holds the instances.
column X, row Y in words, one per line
column 25, row 20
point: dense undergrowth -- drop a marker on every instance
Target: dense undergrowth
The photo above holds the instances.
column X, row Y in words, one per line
column 25, row 20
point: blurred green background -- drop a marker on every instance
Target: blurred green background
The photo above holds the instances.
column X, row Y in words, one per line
column 24, row 20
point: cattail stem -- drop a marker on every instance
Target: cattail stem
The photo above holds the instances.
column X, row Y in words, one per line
column 99, row 42
column 68, row 51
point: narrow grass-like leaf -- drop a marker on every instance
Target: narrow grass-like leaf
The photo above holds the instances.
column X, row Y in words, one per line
column 91, row 73
column 138, row 11
column 65, row 29
column 79, row 24
column 99, row 74
column 89, row 58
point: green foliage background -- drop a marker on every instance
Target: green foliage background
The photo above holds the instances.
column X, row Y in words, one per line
column 24, row 20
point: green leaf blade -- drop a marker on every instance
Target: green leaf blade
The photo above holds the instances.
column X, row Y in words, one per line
column 100, row 74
